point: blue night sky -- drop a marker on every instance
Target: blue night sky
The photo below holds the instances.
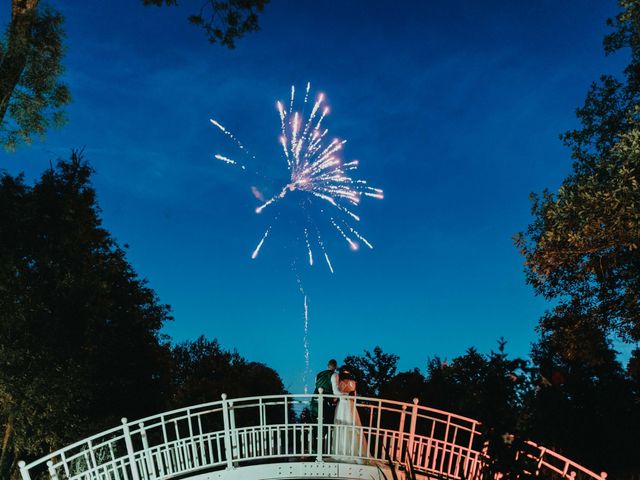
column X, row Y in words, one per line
column 453, row 108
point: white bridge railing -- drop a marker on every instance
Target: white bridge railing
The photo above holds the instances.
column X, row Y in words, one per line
column 232, row 433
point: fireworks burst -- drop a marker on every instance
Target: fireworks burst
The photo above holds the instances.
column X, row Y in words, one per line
column 315, row 169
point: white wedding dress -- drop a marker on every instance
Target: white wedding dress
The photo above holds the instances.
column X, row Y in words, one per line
column 348, row 437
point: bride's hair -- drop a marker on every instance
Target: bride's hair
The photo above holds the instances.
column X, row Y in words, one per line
column 345, row 373
column 347, row 382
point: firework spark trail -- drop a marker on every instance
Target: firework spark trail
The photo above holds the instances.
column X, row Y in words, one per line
column 293, row 96
column 352, row 244
column 232, row 137
column 307, row 355
column 326, row 256
column 357, row 234
column 306, row 239
column 305, row 339
column 264, row 237
column 306, row 93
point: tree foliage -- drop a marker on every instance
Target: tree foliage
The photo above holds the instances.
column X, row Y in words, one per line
column 32, row 95
column 373, row 370
column 489, row 388
column 201, row 371
column 584, row 404
column 582, row 246
column 79, row 330
column 224, row 22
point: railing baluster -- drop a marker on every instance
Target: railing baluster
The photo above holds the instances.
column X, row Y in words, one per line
column 209, row 450
column 471, row 440
column 379, row 413
column 320, row 426
column 194, row 451
column 234, row 431
column 151, row 468
column 64, row 464
column 24, row 472
column 399, row 445
column 412, row 428
column 446, row 437
column 52, row 471
column 279, row 440
column 286, row 426
column 227, row 432
column 92, row 455
column 453, row 442
column 352, row 452
column 218, row 446
column 130, row 451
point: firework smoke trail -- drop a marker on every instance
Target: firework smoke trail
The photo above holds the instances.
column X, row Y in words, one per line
column 315, row 169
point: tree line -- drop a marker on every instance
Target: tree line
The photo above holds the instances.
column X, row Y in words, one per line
column 584, row 408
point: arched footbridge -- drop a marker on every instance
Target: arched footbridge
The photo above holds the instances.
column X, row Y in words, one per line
column 262, row 438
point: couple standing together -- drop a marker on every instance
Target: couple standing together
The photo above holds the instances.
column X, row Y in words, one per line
column 339, row 409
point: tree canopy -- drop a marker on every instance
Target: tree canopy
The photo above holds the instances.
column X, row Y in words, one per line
column 373, row 370
column 202, row 370
column 224, row 22
column 32, row 94
column 79, row 330
column 582, row 247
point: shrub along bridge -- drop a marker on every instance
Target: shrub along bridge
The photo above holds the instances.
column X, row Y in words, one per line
column 260, row 438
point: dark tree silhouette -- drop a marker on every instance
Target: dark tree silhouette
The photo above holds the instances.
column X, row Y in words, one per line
column 489, row 388
column 372, row 370
column 584, row 403
column 202, row 371
column 79, row 330
column 405, row 386
column 224, row 22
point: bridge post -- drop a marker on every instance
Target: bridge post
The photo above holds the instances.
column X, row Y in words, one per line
column 320, row 427
column 23, row 470
column 151, row 468
column 130, row 451
column 400, row 445
column 227, row 432
column 52, row 470
column 412, row 430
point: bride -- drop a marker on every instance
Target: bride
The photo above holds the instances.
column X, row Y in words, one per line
column 348, row 438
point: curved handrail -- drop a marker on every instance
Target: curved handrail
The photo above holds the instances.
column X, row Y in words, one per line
column 231, row 432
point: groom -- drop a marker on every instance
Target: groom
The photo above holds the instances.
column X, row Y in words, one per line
column 323, row 381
